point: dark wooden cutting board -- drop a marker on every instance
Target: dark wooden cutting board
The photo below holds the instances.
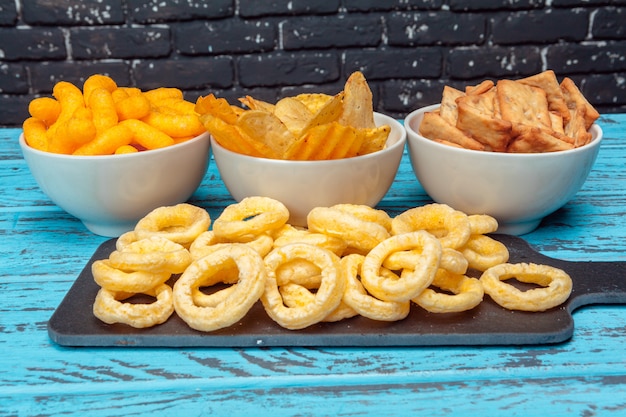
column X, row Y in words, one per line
column 73, row 323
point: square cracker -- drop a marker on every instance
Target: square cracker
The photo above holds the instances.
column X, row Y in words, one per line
column 575, row 99
column 537, row 140
column 448, row 109
column 434, row 127
column 523, row 104
column 477, row 120
column 576, row 128
column 547, row 81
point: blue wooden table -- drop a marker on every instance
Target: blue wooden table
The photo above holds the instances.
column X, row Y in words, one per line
column 43, row 250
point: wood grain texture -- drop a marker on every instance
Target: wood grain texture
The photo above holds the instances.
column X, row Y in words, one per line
column 42, row 251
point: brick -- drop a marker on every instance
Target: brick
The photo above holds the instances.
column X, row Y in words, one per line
column 224, row 37
column 377, row 5
column 186, row 74
column 395, row 63
column 120, row 42
column 476, row 5
column 153, row 11
column 472, row 63
column 71, row 12
column 546, row 26
column 400, row 97
column 331, row 32
column 609, row 23
column 13, row 79
column 8, row 12
column 45, row 75
column 581, row 3
column 278, row 69
column 32, row 44
column 589, row 58
column 327, row 88
column 432, row 28
column 14, row 109
column 256, row 8
column 605, row 89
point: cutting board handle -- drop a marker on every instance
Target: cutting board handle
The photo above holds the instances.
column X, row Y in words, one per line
column 594, row 282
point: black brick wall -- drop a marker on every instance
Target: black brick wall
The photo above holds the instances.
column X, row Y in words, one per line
column 407, row 49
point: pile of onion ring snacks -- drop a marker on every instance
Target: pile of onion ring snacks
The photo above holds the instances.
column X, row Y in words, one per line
column 351, row 260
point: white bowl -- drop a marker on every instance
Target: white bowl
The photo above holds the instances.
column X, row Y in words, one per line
column 110, row 193
column 304, row 185
column 519, row 190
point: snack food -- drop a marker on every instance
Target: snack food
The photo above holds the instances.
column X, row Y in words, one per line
column 433, row 257
column 106, row 119
column 232, row 304
column 109, row 306
column 328, row 295
column 181, row 223
column 304, row 127
column 556, row 286
column 533, row 114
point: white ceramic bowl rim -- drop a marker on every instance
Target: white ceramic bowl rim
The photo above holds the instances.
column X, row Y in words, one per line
column 24, row 145
column 398, row 143
column 596, row 131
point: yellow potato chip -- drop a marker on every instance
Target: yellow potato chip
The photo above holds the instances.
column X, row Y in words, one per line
column 358, row 108
column 314, row 101
column 232, row 138
column 294, row 114
column 267, row 129
column 330, row 112
column 216, row 107
column 256, row 104
column 374, row 139
column 326, row 141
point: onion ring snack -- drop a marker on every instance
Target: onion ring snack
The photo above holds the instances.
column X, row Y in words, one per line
column 205, row 272
column 297, row 296
column 411, row 283
column 250, row 217
column 155, row 254
column 299, row 271
column 181, row 223
column 482, row 252
column 452, row 227
column 467, row 293
column 208, row 243
column 481, row 224
column 556, row 286
column 363, row 303
column 108, row 307
column 115, row 279
column 360, row 234
column 327, row 298
column 289, row 234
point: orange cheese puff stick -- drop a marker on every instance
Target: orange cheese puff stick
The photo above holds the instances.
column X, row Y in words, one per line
column 119, row 94
column 126, row 149
column 46, row 109
column 132, row 107
column 146, row 135
column 174, row 123
column 73, row 133
column 97, row 81
column 35, row 133
column 161, row 93
column 103, row 108
column 107, row 142
column 70, row 98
